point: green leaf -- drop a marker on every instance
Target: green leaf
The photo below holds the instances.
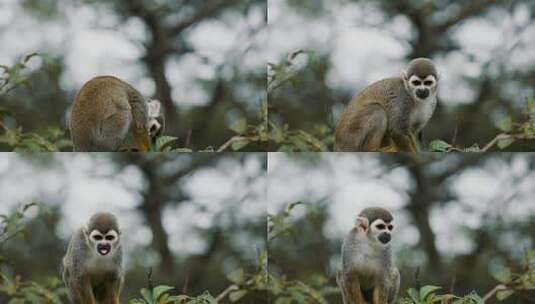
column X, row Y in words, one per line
column 159, row 290
column 413, row 294
column 503, row 276
column 505, row 124
column 164, row 142
column 235, row 296
column 239, row 126
column 239, row 144
column 426, row 290
column 504, row 143
column 147, row 295
column 439, row 146
column 504, row 294
column 237, row 276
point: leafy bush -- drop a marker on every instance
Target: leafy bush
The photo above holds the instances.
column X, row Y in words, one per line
column 12, row 287
column 292, row 291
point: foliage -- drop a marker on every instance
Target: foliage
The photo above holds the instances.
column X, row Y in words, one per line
column 160, row 295
column 281, row 137
column 242, row 284
column 13, row 287
column 511, row 132
column 294, row 291
column 427, row 295
column 54, row 138
column 511, row 282
column 15, row 137
column 319, row 137
column 286, row 140
column 245, row 135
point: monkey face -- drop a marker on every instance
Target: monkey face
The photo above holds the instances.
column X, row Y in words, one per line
column 421, row 88
column 156, row 121
column 104, row 243
column 381, row 231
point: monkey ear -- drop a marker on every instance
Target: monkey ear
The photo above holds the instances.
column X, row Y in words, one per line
column 363, row 223
column 154, row 108
column 404, row 75
column 85, row 232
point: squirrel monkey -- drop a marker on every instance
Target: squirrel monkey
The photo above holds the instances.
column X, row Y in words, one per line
column 390, row 114
column 107, row 110
column 92, row 266
column 368, row 275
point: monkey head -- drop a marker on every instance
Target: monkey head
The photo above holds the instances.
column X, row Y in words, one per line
column 102, row 234
column 156, row 123
column 421, row 79
column 377, row 224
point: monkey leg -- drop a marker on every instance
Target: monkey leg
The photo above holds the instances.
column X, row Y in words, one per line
column 389, row 149
column 82, row 292
column 341, row 285
column 112, row 294
column 142, row 138
column 351, row 292
column 404, row 142
column 112, row 290
column 112, row 131
column 363, row 130
column 379, row 296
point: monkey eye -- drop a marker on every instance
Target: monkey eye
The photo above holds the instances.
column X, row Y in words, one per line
column 390, row 227
column 416, row 82
column 381, row 226
column 428, row 82
column 110, row 238
column 98, row 237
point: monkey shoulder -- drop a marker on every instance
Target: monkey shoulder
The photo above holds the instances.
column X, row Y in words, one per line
column 77, row 251
column 101, row 94
column 392, row 284
column 359, row 256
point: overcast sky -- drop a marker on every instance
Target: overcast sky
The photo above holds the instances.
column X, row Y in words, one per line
column 83, row 183
column 93, row 44
column 349, row 182
column 363, row 50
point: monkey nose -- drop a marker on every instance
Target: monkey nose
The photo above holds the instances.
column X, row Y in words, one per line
column 422, row 93
column 384, row 238
column 103, row 249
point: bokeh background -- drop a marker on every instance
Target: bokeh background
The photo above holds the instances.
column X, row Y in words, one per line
column 191, row 219
column 323, row 52
column 459, row 218
column 205, row 60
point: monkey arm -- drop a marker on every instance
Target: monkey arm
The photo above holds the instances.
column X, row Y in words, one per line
column 142, row 138
column 405, row 142
column 380, row 295
column 113, row 290
column 349, row 284
column 386, row 292
column 141, row 118
column 362, row 128
column 81, row 291
column 393, row 288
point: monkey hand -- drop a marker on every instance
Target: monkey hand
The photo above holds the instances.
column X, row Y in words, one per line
column 388, row 149
column 142, row 138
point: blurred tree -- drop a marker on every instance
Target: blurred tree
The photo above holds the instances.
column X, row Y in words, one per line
column 303, row 248
column 307, row 98
column 230, row 243
column 234, row 93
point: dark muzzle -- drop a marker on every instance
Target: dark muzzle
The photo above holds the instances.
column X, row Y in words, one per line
column 103, row 249
column 422, row 93
column 384, row 237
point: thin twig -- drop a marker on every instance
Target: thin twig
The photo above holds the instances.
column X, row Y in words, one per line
column 491, row 293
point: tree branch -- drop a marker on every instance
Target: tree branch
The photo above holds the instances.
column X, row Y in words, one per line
column 210, row 8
